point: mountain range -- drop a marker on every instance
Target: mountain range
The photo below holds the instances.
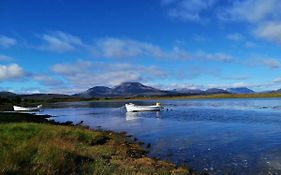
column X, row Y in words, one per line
column 240, row 90
column 126, row 89
column 134, row 89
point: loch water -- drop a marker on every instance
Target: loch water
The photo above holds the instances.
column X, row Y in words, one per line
column 218, row 136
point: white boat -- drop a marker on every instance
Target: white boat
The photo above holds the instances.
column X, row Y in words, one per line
column 135, row 108
column 27, row 109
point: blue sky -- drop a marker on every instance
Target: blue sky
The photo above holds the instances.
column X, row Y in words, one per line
column 67, row 46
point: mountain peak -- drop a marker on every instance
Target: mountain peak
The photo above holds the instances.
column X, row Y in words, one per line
column 240, row 90
column 216, row 91
column 125, row 89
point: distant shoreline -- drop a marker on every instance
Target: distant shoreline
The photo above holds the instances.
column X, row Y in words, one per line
column 214, row 96
column 7, row 104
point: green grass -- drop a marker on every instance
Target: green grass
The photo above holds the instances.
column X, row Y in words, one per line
column 42, row 148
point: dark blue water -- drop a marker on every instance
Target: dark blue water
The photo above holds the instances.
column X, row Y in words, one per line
column 218, row 136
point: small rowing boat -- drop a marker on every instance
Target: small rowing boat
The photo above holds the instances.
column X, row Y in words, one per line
column 27, row 109
column 135, row 108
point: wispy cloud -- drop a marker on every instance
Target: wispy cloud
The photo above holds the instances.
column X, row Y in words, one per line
column 199, row 38
column 5, row 58
column 188, row 10
column 264, row 16
column 235, row 36
column 271, row 63
column 11, row 72
column 236, row 77
column 127, row 48
column 270, row 31
column 60, row 42
column 6, row 41
column 250, row 44
column 71, row 69
column 252, row 11
column 82, row 76
column 267, row 62
column 47, row 80
column 214, row 56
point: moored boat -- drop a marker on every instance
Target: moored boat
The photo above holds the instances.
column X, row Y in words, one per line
column 27, row 109
column 135, row 108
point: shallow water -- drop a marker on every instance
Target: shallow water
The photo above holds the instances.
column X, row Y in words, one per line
column 218, row 136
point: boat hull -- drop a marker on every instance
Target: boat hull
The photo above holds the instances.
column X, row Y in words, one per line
column 134, row 108
column 27, row 109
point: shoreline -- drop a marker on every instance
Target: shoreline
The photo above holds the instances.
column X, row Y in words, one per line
column 123, row 151
column 8, row 105
column 184, row 97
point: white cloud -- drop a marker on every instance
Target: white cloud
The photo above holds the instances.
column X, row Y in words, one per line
column 83, row 77
column 252, row 11
column 250, row 44
column 7, row 41
column 60, row 42
column 270, row 31
column 271, row 63
column 236, row 77
column 126, row 48
column 263, row 16
column 188, row 10
column 47, row 80
column 214, row 57
column 71, row 69
column 5, row 58
column 11, row 72
column 235, row 36
column 199, row 38
column 266, row 62
column 277, row 80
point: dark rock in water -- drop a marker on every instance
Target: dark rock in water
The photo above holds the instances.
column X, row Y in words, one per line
column 240, row 90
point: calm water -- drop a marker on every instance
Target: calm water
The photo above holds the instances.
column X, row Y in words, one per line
column 219, row 136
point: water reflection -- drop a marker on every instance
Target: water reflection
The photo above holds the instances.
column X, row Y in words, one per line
column 235, row 136
column 138, row 115
column 131, row 116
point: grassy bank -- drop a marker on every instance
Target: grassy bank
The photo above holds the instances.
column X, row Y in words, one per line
column 43, row 148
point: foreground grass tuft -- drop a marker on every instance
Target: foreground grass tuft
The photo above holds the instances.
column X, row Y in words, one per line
column 33, row 148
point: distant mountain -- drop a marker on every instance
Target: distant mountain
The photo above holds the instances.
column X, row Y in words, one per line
column 189, row 91
column 277, row 91
column 240, row 90
column 44, row 96
column 136, row 89
column 5, row 94
column 97, row 91
column 216, row 91
column 126, row 89
column 11, row 95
